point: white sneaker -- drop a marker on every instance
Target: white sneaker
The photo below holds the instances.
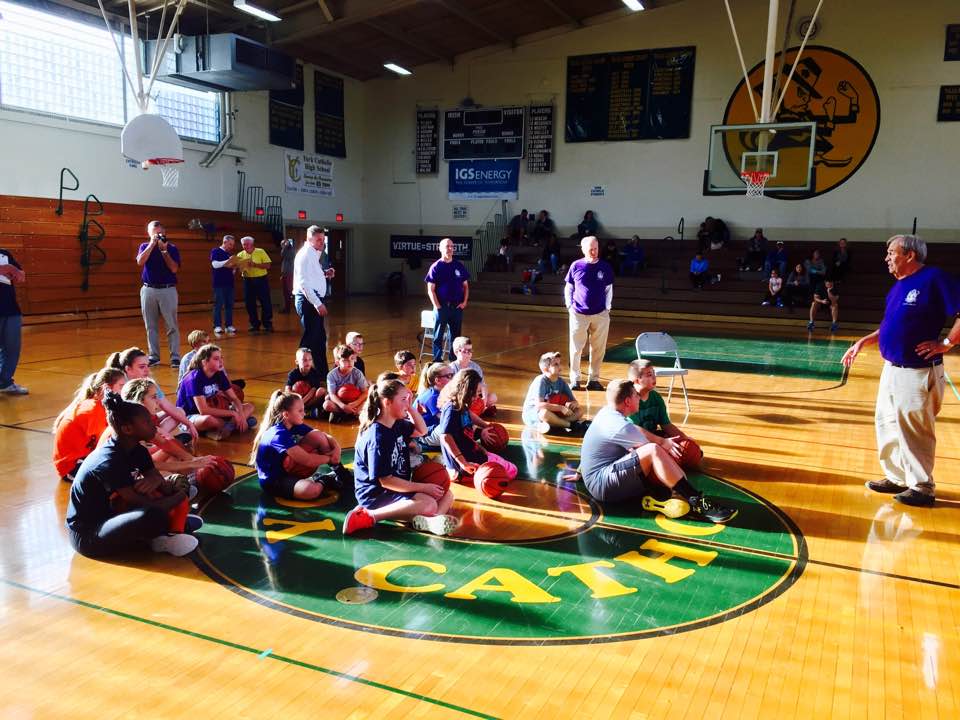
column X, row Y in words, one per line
column 231, row 330
column 14, row 389
column 218, row 331
column 436, row 524
column 671, row 508
column 177, row 544
column 543, row 426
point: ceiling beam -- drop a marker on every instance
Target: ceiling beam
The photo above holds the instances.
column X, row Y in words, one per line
column 465, row 15
column 359, row 11
column 562, row 13
column 421, row 48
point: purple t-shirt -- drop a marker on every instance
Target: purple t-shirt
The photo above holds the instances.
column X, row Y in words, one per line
column 223, row 276
column 590, row 282
column 155, row 270
column 449, row 278
column 195, row 383
column 272, row 449
column 916, row 308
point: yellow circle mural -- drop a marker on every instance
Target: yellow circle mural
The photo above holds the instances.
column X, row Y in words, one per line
column 829, row 88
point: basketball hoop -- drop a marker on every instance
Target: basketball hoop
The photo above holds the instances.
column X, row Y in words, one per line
column 169, row 170
column 756, row 181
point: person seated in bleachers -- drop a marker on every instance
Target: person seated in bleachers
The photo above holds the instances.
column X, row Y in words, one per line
column 505, row 256
column 717, row 232
column 699, row 271
column 840, row 262
column 550, row 258
column 543, row 229
column 587, row 226
column 517, row 228
column 612, row 255
column 797, row 289
column 774, row 288
column 776, row 258
column 633, row 258
column 816, row 268
column 756, row 251
column 826, row 295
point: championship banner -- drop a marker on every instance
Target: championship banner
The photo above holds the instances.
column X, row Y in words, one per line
column 427, row 247
column 484, row 179
column 307, row 173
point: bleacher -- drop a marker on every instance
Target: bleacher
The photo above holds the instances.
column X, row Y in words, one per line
column 664, row 289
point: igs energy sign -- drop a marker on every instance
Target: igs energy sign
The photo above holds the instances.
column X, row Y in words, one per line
column 427, row 247
column 484, row 179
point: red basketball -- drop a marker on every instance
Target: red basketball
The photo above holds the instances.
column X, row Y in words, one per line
column 219, row 401
column 692, row 454
column 349, row 392
column 495, row 438
column 478, row 406
column 490, row 479
column 238, row 391
column 301, row 387
column 558, row 399
column 432, row 472
column 294, row 469
column 217, row 478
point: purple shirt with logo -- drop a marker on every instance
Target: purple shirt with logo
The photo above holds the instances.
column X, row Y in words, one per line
column 590, row 282
column 222, row 276
column 449, row 278
column 195, row 383
column 155, row 270
column 916, row 308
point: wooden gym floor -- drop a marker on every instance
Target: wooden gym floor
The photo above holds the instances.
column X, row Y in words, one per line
column 820, row 599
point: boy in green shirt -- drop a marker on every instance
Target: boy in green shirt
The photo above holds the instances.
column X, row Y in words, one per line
column 652, row 415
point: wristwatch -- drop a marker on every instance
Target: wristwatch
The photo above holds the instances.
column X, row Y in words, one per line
column 947, row 343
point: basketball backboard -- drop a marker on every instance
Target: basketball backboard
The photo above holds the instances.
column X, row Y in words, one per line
column 785, row 150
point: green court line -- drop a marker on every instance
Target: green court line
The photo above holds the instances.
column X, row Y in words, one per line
column 952, row 386
column 266, row 654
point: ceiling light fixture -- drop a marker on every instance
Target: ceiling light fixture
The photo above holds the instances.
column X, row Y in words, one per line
column 393, row 67
column 251, row 9
column 634, row 5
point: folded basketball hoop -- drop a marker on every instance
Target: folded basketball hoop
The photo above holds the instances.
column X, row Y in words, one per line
column 151, row 141
column 756, row 181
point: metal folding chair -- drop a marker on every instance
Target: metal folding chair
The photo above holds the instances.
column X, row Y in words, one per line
column 662, row 345
column 426, row 330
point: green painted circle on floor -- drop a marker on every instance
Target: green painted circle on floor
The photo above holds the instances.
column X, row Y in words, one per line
column 544, row 564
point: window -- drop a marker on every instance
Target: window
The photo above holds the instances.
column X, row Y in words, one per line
column 65, row 67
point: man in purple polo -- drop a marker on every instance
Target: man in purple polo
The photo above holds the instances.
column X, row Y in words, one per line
column 160, row 262
column 448, row 286
column 588, row 295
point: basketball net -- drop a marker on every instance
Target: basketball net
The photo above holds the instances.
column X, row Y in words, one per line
column 169, row 170
column 756, row 181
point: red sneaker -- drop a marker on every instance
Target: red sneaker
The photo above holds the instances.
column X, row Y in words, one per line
column 357, row 519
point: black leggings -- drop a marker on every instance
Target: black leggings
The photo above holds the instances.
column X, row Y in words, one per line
column 121, row 533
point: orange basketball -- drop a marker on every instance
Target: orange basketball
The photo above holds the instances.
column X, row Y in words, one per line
column 294, row 469
column 558, row 399
column 349, row 392
column 490, row 479
column 478, row 406
column 692, row 454
column 431, row 472
column 219, row 401
column 217, row 478
column 495, row 438
column 301, row 387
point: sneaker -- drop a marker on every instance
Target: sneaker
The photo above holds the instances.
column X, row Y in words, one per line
column 177, row 544
column 175, row 363
column 153, row 362
column 884, row 486
column 543, row 426
column 914, row 498
column 810, row 325
column 711, row 511
column 344, row 477
column 218, row 331
column 834, row 327
column 580, row 427
column 357, row 519
column 765, row 303
column 14, row 389
column 436, row 524
column 671, row 508
column 268, row 328
column 576, row 387
column 595, row 385
column 779, row 303
column 231, row 330
column 193, row 523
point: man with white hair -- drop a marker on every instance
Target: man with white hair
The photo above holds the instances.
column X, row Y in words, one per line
column 448, row 287
column 588, row 295
column 255, row 264
column 912, row 380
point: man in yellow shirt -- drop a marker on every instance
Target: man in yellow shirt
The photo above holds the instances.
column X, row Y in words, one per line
column 254, row 264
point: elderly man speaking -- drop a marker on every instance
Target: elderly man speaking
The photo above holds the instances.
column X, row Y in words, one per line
column 588, row 295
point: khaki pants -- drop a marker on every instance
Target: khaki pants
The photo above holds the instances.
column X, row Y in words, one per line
column 596, row 327
column 908, row 401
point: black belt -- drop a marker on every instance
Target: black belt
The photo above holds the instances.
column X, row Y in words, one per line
column 159, row 287
column 933, row 363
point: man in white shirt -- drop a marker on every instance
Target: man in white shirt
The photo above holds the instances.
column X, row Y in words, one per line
column 309, row 289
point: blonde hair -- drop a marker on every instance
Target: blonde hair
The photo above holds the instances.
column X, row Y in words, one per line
column 431, row 371
column 136, row 390
column 198, row 337
column 461, row 390
column 351, row 336
column 89, row 388
column 280, row 402
column 637, row 367
column 460, row 342
column 386, row 389
column 546, row 360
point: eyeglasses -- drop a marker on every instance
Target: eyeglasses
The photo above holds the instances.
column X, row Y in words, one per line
column 467, row 351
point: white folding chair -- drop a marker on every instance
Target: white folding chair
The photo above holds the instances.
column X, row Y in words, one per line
column 426, row 328
column 661, row 344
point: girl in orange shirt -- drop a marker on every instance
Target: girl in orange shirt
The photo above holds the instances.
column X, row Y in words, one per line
column 77, row 429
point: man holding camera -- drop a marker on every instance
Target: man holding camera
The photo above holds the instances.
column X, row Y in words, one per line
column 160, row 262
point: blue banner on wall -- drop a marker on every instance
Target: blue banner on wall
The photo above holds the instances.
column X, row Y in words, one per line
column 484, row 179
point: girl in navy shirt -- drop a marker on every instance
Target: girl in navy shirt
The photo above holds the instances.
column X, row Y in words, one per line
column 283, row 435
column 382, row 467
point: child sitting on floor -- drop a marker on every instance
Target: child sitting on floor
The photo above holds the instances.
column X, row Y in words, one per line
column 355, row 341
column 346, row 387
column 307, row 372
column 209, row 399
column 406, row 364
column 433, row 379
column 486, row 402
column 550, row 404
column 197, row 339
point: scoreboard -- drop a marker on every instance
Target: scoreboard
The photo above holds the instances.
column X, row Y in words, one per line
column 483, row 134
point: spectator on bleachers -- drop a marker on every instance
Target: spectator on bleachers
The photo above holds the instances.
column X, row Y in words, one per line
column 703, row 238
column 717, row 232
column 798, row 286
column 543, row 228
column 550, row 258
column 826, row 294
column 774, row 288
column 612, row 255
column 840, row 262
column 776, row 258
column 816, row 268
column 588, row 226
column 517, row 228
column 634, row 259
column 699, row 271
column 756, row 251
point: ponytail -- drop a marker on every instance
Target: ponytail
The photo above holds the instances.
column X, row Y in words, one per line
column 280, row 401
column 89, row 388
column 384, row 389
column 124, row 359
